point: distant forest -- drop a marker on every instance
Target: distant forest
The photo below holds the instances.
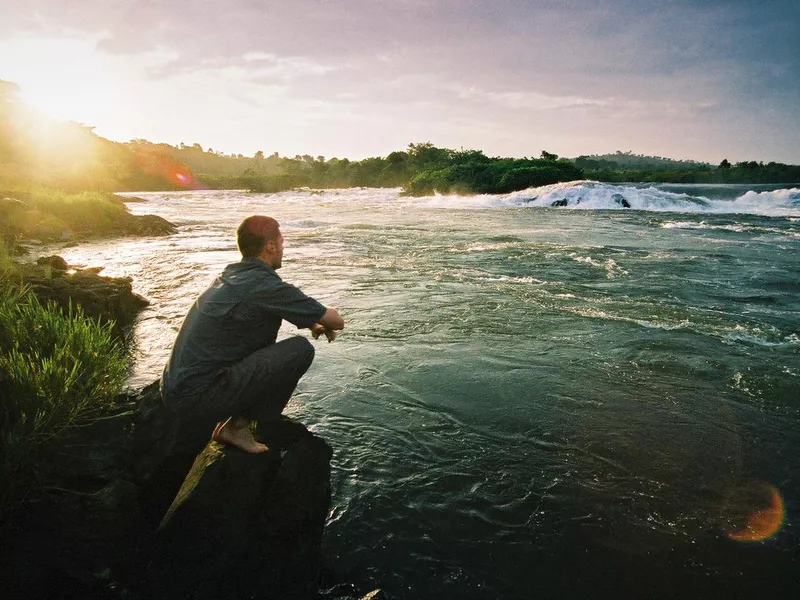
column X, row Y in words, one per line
column 38, row 151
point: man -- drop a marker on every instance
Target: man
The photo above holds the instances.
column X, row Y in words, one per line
column 226, row 367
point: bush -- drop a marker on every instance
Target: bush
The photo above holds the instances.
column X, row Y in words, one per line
column 58, row 370
column 51, row 215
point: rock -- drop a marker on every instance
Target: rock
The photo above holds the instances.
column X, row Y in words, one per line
column 620, row 199
column 106, row 298
column 243, row 525
column 76, row 539
column 148, row 225
column 55, row 262
column 240, row 526
column 562, row 202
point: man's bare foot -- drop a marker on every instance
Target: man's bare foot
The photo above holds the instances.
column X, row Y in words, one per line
column 236, row 432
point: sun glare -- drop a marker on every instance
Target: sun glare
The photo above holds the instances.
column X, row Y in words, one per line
column 64, row 78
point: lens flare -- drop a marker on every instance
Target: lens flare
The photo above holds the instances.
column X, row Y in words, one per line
column 156, row 162
column 754, row 513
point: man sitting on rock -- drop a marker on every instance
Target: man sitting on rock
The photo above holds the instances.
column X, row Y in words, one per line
column 226, row 366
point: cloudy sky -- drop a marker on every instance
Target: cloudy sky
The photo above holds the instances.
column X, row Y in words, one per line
column 699, row 79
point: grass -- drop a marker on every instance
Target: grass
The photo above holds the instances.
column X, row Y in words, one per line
column 7, row 265
column 52, row 215
column 58, row 370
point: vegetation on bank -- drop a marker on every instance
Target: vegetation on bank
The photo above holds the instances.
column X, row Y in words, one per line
column 58, row 370
column 51, row 215
column 40, row 152
column 629, row 167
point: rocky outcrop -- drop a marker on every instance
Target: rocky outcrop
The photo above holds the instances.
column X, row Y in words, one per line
column 247, row 525
column 148, row 225
column 28, row 217
column 106, row 298
column 73, row 539
column 118, row 517
column 54, row 262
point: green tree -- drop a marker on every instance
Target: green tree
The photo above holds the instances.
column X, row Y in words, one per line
column 545, row 155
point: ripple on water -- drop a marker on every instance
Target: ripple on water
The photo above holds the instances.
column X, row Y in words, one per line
column 517, row 390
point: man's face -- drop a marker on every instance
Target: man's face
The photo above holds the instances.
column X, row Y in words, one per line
column 277, row 252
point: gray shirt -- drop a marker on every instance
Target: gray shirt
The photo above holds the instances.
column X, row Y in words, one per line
column 240, row 313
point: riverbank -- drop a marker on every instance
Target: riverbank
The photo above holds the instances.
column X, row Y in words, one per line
column 89, row 473
column 63, row 330
column 50, row 215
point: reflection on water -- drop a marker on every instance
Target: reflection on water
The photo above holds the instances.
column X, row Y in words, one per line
column 528, row 401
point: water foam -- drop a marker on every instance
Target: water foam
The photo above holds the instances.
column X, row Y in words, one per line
column 593, row 195
column 571, row 195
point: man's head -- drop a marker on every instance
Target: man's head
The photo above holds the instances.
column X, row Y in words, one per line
column 260, row 237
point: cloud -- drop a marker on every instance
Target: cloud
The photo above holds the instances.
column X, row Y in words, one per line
column 557, row 69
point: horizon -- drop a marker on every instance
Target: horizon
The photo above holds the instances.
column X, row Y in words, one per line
column 668, row 79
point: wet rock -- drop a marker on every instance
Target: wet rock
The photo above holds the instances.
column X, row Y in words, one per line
column 148, row 225
column 241, row 526
column 244, row 524
column 55, row 262
column 557, row 203
column 106, row 298
column 620, row 199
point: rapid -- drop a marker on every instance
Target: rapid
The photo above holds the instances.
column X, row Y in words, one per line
column 529, row 400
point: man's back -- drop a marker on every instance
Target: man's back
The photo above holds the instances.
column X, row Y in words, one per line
column 238, row 314
column 226, row 367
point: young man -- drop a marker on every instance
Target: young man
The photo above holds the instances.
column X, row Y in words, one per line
column 226, row 367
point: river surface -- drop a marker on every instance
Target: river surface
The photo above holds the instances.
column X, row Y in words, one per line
column 530, row 401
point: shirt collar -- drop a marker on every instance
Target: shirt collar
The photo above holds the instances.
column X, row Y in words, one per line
column 252, row 261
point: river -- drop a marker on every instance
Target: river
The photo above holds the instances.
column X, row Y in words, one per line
column 528, row 400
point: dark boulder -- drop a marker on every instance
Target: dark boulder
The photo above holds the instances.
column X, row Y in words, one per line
column 620, row 199
column 557, row 203
column 75, row 538
column 149, row 225
column 55, row 262
column 247, row 525
column 93, row 532
column 106, row 298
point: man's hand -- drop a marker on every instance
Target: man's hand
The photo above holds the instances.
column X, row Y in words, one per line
column 317, row 329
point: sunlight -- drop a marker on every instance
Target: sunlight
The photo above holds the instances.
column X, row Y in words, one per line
column 64, row 78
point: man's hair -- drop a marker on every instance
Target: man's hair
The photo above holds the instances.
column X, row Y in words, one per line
column 254, row 232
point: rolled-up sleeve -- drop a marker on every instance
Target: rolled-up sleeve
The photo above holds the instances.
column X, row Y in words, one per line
column 289, row 303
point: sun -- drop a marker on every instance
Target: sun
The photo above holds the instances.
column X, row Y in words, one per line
column 65, row 78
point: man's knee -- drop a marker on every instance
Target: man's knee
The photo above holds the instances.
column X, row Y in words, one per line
column 302, row 351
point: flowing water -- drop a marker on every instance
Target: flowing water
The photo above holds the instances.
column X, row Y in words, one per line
column 531, row 401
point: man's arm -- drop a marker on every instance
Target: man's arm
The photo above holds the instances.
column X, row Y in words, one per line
column 329, row 324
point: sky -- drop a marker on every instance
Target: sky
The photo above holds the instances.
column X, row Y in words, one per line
column 702, row 79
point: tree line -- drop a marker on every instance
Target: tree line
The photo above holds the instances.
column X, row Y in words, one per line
column 38, row 151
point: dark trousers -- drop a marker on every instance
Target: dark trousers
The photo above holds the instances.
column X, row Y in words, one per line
column 257, row 388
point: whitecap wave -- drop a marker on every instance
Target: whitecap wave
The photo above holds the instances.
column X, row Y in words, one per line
column 594, row 195
column 571, row 195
